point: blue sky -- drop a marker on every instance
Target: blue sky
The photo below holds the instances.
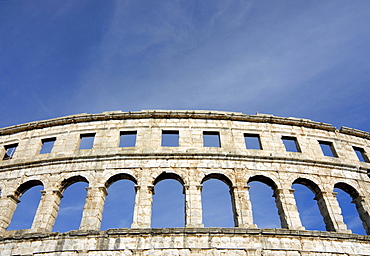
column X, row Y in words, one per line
column 306, row 59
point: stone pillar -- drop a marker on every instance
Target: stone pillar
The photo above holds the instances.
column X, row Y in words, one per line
column 8, row 204
column 143, row 206
column 331, row 212
column 363, row 209
column 193, row 206
column 287, row 209
column 242, row 207
column 93, row 209
column 47, row 211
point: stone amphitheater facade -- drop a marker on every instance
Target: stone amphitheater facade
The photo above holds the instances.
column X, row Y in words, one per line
column 191, row 163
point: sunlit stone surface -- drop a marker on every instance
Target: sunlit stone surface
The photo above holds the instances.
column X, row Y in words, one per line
column 191, row 163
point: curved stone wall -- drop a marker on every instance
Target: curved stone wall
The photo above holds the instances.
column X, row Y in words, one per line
column 191, row 162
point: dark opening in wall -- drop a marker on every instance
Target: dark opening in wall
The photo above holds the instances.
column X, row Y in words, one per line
column 211, row 139
column 71, row 206
column 47, row 145
column 308, row 208
column 168, row 204
column 170, row 138
column 9, row 151
column 87, row 141
column 291, row 144
column 119, row 205
column 328, row 148
column 346, row 196
column 128, row 139
column 360, row 152
column 252, row 141
column 27, row 206
column 217, row 203
column 264, row 208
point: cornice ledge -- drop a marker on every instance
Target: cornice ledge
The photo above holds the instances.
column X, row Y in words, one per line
column 355, row 132
column 192, row 156
column 27, row 235
column 166, row 114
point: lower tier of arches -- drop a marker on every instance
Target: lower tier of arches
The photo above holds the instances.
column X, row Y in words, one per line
column 92, row 204
column 184, row 241
column 145, row 174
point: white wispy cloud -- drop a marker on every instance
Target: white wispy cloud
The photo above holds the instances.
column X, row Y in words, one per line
column 238, row 55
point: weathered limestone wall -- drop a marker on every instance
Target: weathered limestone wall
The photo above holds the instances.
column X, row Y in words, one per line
column 192, row 164
column 186, row 241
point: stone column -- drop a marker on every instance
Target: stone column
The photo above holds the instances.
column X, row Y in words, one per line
column 8, row 204
column 363, row 209
column 47, row 211
column 331, row 212
column 287, row 209
column 93, row 209
column 143, row 206
column 193, row 206
column 242, row 207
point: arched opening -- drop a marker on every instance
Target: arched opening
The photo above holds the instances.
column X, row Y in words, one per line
column 72, row 204
column 29, row 195
column 217, row 201
column 346, row 196
column 264, row 208
column 308, row 209
column 120, row 202
column 168, row 201
column 311, row 213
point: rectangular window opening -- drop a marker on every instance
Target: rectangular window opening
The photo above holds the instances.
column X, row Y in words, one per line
column 127, row 139
column 252, row 141
column 9, row 151
column 327, row 148
column 170, row 138
column 47, row 145
column 87, row 141
column 360, row 152
column 211, row 139
column 291, row 144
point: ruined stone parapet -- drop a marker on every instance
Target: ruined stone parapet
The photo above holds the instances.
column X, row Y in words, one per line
column 190, row 162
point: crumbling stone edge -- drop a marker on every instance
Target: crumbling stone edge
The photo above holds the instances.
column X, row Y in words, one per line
column 25, row 234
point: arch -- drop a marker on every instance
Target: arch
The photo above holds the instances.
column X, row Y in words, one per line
column 213, row 214
column 352, row 207
column 218, row 176
column 308, row 209
column 168, row 204
column 26, row 186
column 119, row 176
column 168, row 175
column 72, row 203
column 308, row 183
column 119, row 201
column 315, row 208
column 25, row 210
column 71, row 180
column 267, row 211
column 266, row 180
column 348, row 189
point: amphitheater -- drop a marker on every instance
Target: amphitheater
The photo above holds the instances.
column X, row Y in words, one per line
column 191, row 162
